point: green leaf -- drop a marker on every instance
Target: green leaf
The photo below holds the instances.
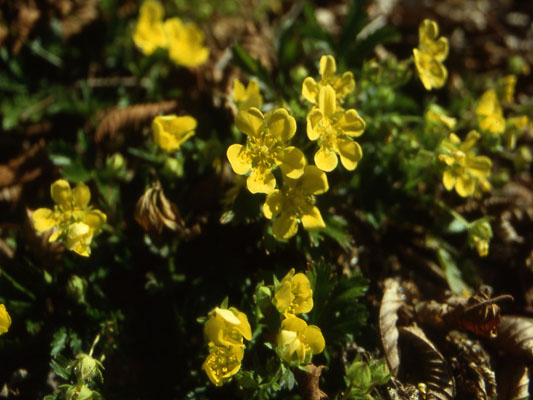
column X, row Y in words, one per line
column 59, row 341
column 353, row 24
column 249, row 64
column 453, row 274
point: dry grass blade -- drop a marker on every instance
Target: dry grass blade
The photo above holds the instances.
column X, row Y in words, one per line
column 424, row 358
column 515, row 337
column 388, row 317
column 117, row 120
column 513, row 381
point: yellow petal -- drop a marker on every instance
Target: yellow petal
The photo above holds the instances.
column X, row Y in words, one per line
column 250, row 122
column 185, row 43
column 79, row 238
column 239, row 92
column 292, row 162
column 310, row 90
column 488, row 103
column 479, row 166
column 326, row 159
column 470, row 140
column 431, row 72
column 327, row 66
column 61, row 193
column 350, row 153
column 315, row 339
column 273, row 204
column 294, row 324
column 5, row 319
column 239, row 159
column 352, row 124
column 170, row 131
column 81, row 195
column 244, row 326
column 261, row 181
column 281, row 125
column 448, row 180
column 464, row 186
column 95, row 219
column 286, row 337
column 312, row 219
column 214, row 330
column 327, row 100
column 149, row 32
column 285, row 226
column 253, row 96
column 428, row 30
column 283, row 297
column 43, row 219
column 439, row 49
column 345, row 85
column 313, row 124
column 302, row 289
column 314, row 181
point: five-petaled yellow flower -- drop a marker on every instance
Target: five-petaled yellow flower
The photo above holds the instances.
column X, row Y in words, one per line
column 247, row 97
column 430, row 54
column 171, row 131
column 227, row 327
column 294, row 296
column 185, row 43
column 222, row 363
column 149, row 33
column 334, row 128
column 265, row 149
column 464, row 170
column 298, row 342
column 295, row 203
column 75, row 221
column 5, row 319
column 343, row 85
column 490, row 114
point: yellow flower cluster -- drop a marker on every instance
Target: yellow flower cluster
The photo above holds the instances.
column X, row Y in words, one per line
column 5, row 319
column 328, row 123
column 184, row 41
column 464, row 170
column 430, row 54
column 297, row 341
column 170, row 131
column 75, row 222
column 225, row 330
column 267, row 148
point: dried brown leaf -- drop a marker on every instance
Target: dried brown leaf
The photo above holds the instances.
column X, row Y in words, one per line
column 28, row 14
column 513, row 381
column 388, row 318
column 116, row 121
column 308, row 382
column 515, row 338
column 82, row 14
column 433, row 370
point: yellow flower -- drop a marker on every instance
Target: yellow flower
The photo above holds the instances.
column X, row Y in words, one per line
column 222, row 363
column 5, row 319
column 509, row 85
column 334, row 128
column 74, row 220
column 342, row 85
column 515, row 126
column 185, row 43
column 430, row 54
column 479, row 235
column 299, row 342
column 295, row 295
column 247, row 97
column 464, row 170
column 265, row 149
column 295, row 203
column 227, row 327
column 171, row 131
column 490, row 114
column 149, row 32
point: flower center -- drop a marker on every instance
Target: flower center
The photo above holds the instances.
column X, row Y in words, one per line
column 263, row 151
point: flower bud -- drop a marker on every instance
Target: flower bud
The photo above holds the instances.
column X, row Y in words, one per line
column 87, row 368
column 79, row 392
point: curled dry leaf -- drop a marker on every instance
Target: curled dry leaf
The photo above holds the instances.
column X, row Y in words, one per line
column 308, row 382
column 116, row 121
column 388, row 317
column 513, row 381
column 422, row 362
column 515, row 338
column 83, row 13
column 154, row 211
